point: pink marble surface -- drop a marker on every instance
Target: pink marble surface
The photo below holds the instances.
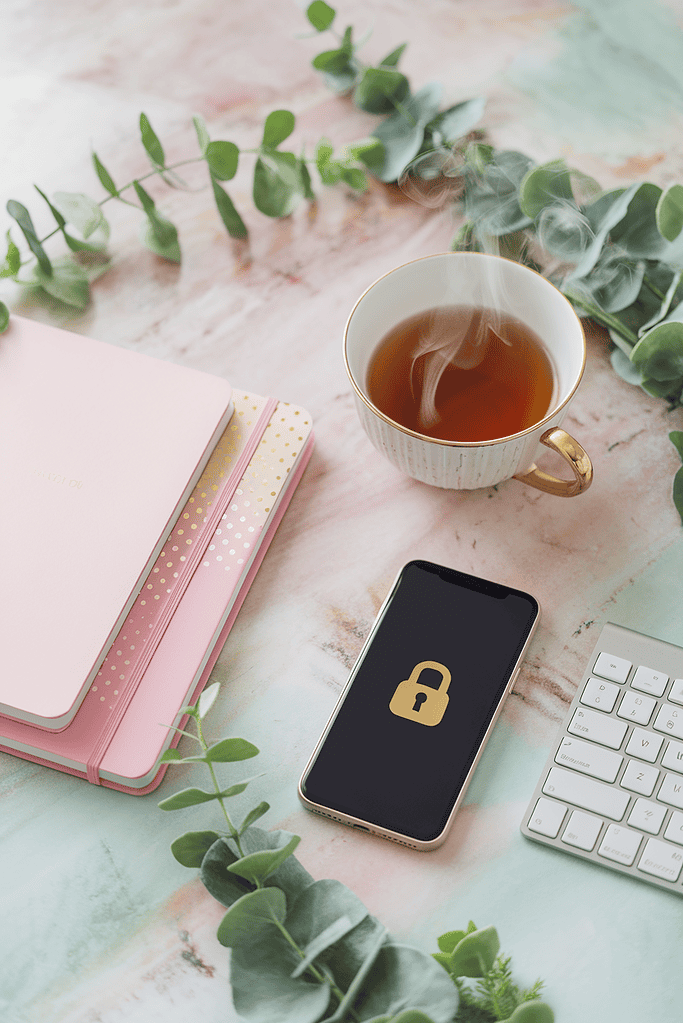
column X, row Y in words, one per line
column 104, row 925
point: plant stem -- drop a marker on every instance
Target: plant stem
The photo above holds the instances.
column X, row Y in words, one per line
column 315, row 972
column 234, row 834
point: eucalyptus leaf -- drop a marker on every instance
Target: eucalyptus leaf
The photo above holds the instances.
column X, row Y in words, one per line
column 12, row 261
column 351, row 960
column 491, row 197
column 305, row 177
column 160, row 236
column 228, row 751
column 104, row 176
column 291, row 877
column 659, row 353
column 23, row 218
column 202, row 132
column 667, row 303
column 207, row 699
column 226, row 888
column 403, row 978
column 317, row 908
column 278, row 126
column 263, row 989
column 603, row 214
column 458, row 120
column 392, row 59
column 222, row 158
column 251, row 915
column 151, row 142
column 81, row 211
column 278, row 187
column 637, row 232
column 320, row 15
column 4, row 317
column 615, row 282
column 186, row 797
column 402, row 134
column 564, row 231
column 669, row 212
column 232, row 221
column 191, row 848
column 66, row 282
column 676, row 437
column 258, row 866
column 336, row 930
column 450, row 939
column 380, row 89
column 545, row 185
column 253, row 816
column 623, row 367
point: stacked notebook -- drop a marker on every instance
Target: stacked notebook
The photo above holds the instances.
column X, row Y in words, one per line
column 140, row 498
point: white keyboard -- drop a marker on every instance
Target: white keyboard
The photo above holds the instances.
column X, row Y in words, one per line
column 612, row 789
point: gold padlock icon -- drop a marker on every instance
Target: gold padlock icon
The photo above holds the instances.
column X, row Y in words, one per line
column 418, row 702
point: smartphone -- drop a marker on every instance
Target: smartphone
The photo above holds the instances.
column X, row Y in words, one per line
column 402, row 744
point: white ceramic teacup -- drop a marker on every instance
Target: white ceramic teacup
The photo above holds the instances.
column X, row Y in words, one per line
column 466, row 278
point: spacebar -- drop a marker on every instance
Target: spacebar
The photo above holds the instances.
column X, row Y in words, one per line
column 585, row 792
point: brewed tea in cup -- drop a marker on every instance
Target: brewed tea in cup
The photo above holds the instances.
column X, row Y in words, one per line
column 461, row 365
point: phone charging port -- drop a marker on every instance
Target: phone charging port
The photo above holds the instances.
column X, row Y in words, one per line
column 361, row 827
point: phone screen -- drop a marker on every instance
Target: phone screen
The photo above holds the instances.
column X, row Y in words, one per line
column 402, row 742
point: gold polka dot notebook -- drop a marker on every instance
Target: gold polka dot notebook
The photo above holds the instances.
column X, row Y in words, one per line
column 164, row 652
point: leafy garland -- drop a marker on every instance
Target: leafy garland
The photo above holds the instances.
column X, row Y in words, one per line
column 304, row 951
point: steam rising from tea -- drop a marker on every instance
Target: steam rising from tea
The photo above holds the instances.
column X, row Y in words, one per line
column 462, row 373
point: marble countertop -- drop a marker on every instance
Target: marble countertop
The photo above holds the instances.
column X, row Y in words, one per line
column 99, row 922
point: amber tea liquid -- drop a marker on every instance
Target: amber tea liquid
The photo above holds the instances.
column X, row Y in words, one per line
column 510, row 389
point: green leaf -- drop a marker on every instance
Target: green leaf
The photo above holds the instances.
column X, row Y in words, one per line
column 257, row 866
column 4, row 317
column 564, row 231
column 278, row 187
column 623, row 367
column 232, row 221
column 253, row 816
column 202, row 132
column 151, row 142
column 615, row 282
column 603, row 215
column 191, row 848
column 355, row 178
column 104, row 176
column 66, row 282
column 544, row 185
column 12, row 262
column 279, row 126
column 637, row 232
column 450, row 939
column 226, row 888
column 403, row 976
column 402, row 134
column 669, row 212
column 23, row 218
column 492, row 196
column 458, row 120
column 676, row 438
column 291, row 877
column 677, row 492
column 263, row 989
column 186, row 797
column 532, row 1012
column 380, row 89
column 154, row 230
column 329, row 936
column 251, row 915
column 351, row 960
column 659, row 353
column 236, row 790
column 320, row 15
column 81, row 211
column 392, row 59
column 231, row 750
column 475, row 954
column 207, row 699
column 171, row 756
column 222, row 158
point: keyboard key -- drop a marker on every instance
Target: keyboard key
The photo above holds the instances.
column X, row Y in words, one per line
column 661, row 860
column 647, row 816
column 647, row 680
column 644, row 745
column 676, row 694
column 586, row 793
column 673, row 757
column 620, row 844
column 674, row 829
column 589, row 758
column 640, row 778
column 616, row 669
column 671, row 791
column 582, row 831
column 636, row 708
column 547, row 817
column 669, row 719
column 598, row 728
column 601, row 695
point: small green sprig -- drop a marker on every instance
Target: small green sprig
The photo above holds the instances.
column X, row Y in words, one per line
column 309, row 950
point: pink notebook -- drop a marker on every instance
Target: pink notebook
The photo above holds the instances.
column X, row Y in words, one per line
column 164, row 652
column 101, row 448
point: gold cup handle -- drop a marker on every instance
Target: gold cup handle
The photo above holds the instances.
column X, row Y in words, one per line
column 573, row 453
